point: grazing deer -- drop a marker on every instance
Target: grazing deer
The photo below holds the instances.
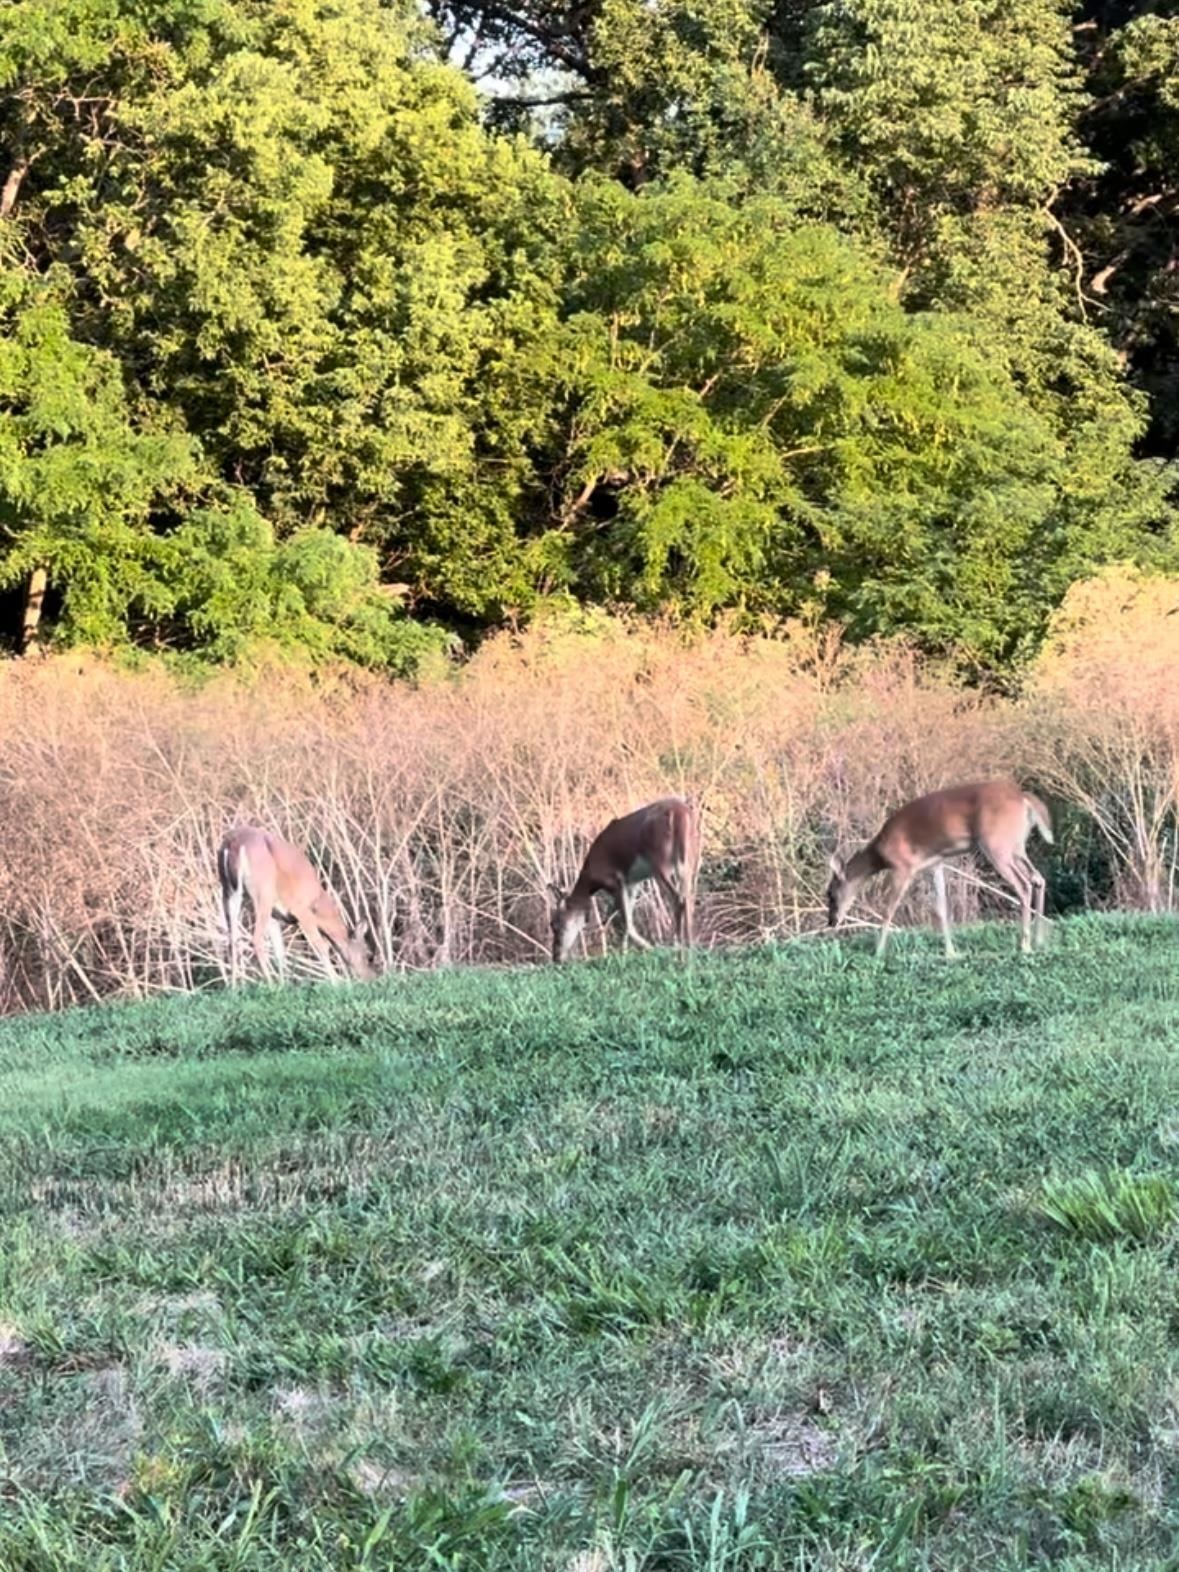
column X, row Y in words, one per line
column 656, row 842
column 993, row 817
column 282, row 885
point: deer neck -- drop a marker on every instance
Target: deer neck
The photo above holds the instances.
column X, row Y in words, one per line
column 863, row 864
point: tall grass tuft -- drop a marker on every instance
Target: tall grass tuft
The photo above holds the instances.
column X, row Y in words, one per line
column 1111, row 1206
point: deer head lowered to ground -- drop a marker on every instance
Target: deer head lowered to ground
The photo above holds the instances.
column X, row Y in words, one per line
column 281, row 885
column 656, row 842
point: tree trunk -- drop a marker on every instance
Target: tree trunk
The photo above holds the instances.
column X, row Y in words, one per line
column 11, row 187
column 34, row 598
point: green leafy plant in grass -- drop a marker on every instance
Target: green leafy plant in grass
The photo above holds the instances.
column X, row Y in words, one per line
column 1110, row 1206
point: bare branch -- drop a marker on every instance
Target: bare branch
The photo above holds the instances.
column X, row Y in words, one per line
column 522, row 101
column 1099, row 283
column 582, row 499
column 1073, row 251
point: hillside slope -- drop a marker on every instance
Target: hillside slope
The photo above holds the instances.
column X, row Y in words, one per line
column 779, row 1258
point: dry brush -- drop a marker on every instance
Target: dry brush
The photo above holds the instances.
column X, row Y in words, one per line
column 440, row 811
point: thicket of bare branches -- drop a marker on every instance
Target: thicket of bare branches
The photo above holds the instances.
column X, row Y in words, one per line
column 440, row 812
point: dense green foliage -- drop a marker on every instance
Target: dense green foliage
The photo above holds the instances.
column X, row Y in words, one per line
column 777, row 1258
column 844, row 306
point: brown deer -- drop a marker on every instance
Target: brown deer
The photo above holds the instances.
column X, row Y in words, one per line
column 991, row 817
column 283, row 886
column 656, row 842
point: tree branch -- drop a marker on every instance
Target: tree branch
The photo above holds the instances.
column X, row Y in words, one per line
column 559, row 43
column 1148, row 204
column 1099, row 283
column 1073, row 251
column 524, row 102
column 21, row 163
column 11, row 188
column 581, row 501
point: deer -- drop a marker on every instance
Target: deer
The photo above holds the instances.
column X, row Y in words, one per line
column 283, row 886
column 656, row 842
column 991, row 817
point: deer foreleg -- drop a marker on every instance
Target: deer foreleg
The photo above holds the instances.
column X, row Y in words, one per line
column 319, row 945
column 261, row 935
column 943, row 908
column 626, row 905
column 900, row 883
column 274, row 933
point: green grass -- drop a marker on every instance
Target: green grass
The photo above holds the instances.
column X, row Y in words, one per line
column 780, row 1258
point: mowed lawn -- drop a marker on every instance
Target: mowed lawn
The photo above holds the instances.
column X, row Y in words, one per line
column 785, row 1257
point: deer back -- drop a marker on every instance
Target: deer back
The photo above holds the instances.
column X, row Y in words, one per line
column 272, row 872
column 654, row 836
column 953, row 820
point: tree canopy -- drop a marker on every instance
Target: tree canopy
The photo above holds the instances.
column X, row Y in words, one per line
column 333, row 326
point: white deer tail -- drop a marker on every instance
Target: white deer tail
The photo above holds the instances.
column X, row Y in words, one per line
column 232, row 869
column 1038, row 815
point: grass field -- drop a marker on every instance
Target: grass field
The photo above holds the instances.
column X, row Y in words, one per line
column 781, row 1258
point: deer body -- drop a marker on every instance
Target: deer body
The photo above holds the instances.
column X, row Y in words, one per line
column 656, row 842
column 994, row 818
column 282, row 885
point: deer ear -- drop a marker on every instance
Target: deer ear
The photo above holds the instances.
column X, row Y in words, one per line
column 836, row 866
column 361, row 930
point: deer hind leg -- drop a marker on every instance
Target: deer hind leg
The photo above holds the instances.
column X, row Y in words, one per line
column 1039, row 886
column 679, row 904
column 231, row 902
column 688, row 899
column 1009, row 870
column 899, row 884
column 263, row 931
column 943, row 908
column 615, row 920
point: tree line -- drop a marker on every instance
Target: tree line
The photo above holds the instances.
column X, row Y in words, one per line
column 339, row 327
